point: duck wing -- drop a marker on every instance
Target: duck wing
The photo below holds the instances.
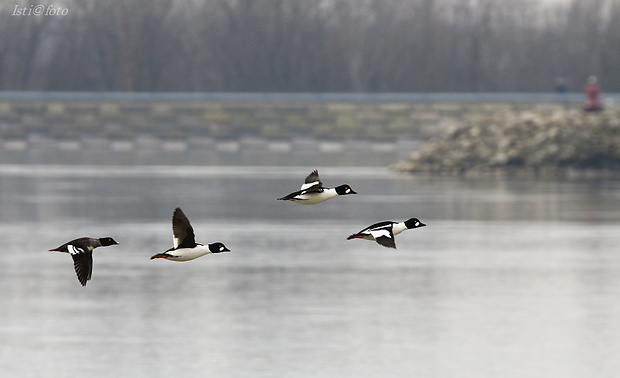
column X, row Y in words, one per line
column 312, row 183
column 82, row 262
column 384, row 237
column 182, row 231
column 382, row 232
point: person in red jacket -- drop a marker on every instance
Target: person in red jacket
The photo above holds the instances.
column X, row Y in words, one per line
column 592, row 92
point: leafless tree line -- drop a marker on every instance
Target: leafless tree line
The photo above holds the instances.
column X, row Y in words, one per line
column 311, row 45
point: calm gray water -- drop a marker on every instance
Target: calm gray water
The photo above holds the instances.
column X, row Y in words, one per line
column 511, row 278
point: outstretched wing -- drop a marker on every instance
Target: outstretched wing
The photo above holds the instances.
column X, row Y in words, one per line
column 312, row 183
column 82, row 262
column 182, row 230
column 384, row 236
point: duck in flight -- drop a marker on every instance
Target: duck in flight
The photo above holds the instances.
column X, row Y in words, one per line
column 313, row 192
column 383, row 232
column 185, row 246
column 81, row 250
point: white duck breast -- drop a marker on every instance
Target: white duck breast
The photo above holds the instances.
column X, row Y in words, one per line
column 311, row 198
column 399, row 227
column 186, row 254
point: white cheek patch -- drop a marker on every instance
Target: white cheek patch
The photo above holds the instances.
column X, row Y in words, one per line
column 417, row 224
column 348, row 191
column 221, row 248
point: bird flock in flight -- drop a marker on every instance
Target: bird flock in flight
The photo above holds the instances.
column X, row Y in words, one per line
column 186, row 248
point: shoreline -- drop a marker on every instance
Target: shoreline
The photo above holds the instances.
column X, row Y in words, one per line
column 559, row 143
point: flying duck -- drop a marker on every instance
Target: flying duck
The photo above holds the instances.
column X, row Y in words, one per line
column 313, row 192
column 185, row 246
column 81, row 250
column 383, row 232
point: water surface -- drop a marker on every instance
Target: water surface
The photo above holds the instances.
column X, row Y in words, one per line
column 511, row 278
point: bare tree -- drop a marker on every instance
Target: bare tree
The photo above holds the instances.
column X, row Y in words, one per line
column 317, row 46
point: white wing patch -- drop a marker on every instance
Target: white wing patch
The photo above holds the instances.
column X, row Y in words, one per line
column 309, row 185
column 380, row 232
column 73, row 250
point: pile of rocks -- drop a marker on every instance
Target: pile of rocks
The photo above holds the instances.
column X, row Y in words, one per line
column 530, row 141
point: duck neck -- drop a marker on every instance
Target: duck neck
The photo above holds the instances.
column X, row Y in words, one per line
column 398, row 228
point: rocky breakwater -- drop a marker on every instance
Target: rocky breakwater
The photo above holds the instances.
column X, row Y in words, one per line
column 531, row 141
